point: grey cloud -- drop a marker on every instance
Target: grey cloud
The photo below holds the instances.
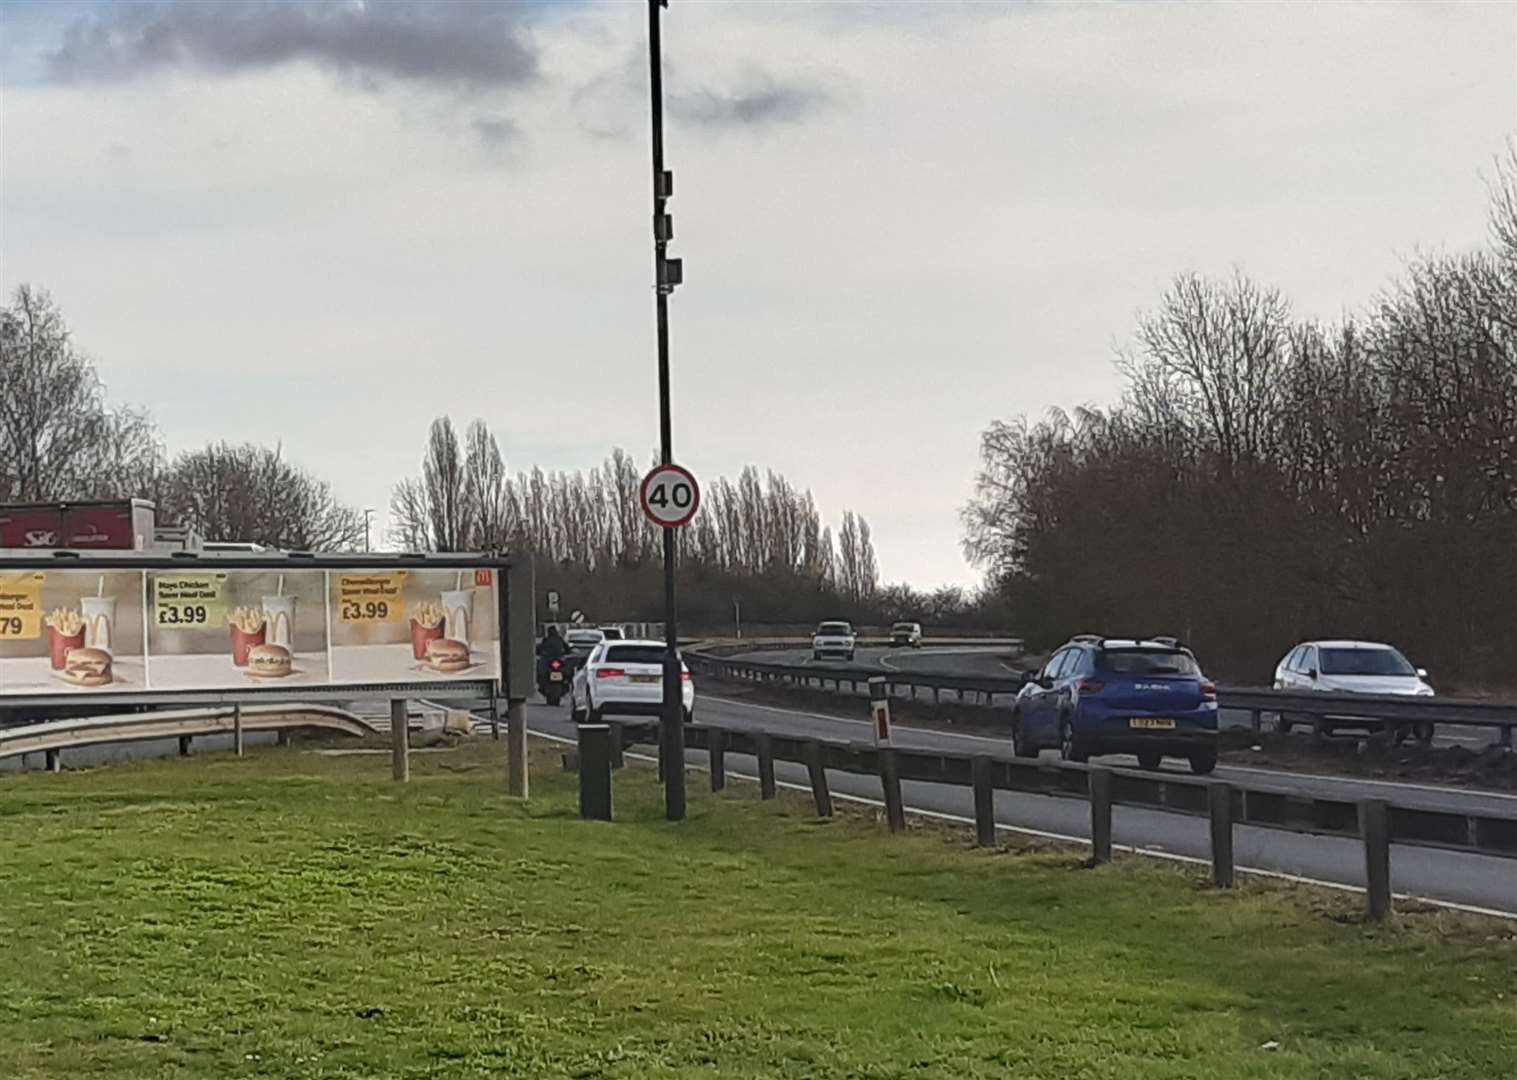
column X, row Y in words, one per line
column 760, row 102
column 447, row 42
column 614, row 103
column 496, row 132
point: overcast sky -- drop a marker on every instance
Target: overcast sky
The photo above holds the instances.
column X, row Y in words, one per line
column 325, row 223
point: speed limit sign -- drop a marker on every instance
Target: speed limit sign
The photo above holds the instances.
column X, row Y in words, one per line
column 670, row 496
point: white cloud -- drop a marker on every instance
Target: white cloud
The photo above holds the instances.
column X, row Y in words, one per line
column 960, row 229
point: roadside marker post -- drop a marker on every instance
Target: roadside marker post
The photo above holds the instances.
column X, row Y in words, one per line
column 879, row 707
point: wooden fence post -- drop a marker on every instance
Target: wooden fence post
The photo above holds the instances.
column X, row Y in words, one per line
column 764, row 745
column 984, row 802
column 595, row 772
column 1219, row 803
column 890, row 781
column 237, row 728
column 717, row 748
column 184, row 746
column 819, row 792
column 400, row 740
column 1374, row 826
column 1099, row 787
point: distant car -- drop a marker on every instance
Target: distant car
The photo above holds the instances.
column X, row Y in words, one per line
column 581, row 643
column 625, row 678
column 1119, row 696
column 835, row 639
column 906, row 634
column 613, row 633
column 1353, row 667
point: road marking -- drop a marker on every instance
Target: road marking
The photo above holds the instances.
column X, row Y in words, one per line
column 1152, row 853
column 851, row 720
column 1443, row 789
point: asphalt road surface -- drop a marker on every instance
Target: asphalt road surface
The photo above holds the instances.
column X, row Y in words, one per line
column 983, row 662
column 1453, row 877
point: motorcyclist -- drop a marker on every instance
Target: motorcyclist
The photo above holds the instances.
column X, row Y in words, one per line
column 551, row 647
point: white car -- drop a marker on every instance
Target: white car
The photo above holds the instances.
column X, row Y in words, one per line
column 625, row 678
column 907, row 634
column 1354, row 667
column 834, row 638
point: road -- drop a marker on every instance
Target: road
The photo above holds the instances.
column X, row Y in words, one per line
column 1453, row 877
column 993, row 663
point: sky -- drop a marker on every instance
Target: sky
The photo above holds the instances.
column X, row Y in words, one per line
column 323, row 224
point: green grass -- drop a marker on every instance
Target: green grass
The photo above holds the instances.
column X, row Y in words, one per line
column 291, row 915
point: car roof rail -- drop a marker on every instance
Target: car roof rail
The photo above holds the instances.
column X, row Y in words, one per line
column 1086, row 639
column 1172, row 642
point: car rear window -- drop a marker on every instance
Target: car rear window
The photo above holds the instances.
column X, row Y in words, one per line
column 904, row 626
column 1365, row 662
column 1148, row 662
column 635, row 654
column 834, row 628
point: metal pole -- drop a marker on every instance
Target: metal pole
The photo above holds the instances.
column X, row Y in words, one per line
column 672, row 732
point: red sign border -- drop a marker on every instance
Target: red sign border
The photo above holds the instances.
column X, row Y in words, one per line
column 642, row 496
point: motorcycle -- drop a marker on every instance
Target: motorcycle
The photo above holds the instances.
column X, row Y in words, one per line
column 553, row 680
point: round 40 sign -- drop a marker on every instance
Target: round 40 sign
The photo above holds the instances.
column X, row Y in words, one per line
column 670, row 496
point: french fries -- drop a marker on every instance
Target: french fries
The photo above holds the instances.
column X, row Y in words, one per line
column 427, row 614
column 66, row 621
column 247, row 619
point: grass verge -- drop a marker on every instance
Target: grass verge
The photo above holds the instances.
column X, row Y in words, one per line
column 294, row 915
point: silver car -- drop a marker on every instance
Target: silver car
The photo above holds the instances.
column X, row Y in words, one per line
column 1352, row 667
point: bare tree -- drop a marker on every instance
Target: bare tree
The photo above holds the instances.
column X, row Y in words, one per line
column 58, row 440
column 251, row 493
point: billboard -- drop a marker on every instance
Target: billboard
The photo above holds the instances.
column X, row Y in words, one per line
column 81, row 631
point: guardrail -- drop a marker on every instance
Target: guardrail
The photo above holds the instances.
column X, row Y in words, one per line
column 1376, row 822
column 1392, row 714
column 52, row 737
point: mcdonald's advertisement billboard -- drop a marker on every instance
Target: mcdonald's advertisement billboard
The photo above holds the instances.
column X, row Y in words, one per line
column 77, row 631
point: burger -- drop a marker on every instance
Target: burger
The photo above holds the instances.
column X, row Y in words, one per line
column 88, row 667
column 447, row 655
column 269, row 661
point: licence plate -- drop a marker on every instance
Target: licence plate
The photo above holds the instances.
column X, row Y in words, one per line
column 646, row 678
column 556, row 676
column 1151, row 723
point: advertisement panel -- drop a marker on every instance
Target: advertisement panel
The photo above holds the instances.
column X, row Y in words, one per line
column 414, row 624
column 65, row 631
column 83, row 631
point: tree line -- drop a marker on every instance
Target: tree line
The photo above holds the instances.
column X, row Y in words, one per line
column 1267, row 479
column 758, row 541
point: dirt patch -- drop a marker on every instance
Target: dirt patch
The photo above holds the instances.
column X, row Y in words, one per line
column 1493, row 768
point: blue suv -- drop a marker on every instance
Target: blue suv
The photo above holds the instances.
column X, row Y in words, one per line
column 1108, row 696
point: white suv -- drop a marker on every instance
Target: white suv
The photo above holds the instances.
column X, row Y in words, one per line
column 1355, row 667
column 625, row 678
column 833, row 639
column 908, row 634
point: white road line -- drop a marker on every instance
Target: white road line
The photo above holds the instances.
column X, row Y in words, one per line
column 958, row 819
column 1442, row 789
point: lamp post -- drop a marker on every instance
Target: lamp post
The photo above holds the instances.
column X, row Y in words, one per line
column 667, row 273
column 368, row 516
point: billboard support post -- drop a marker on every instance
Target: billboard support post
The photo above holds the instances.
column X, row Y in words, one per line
column 400, row 739
column 519, row 665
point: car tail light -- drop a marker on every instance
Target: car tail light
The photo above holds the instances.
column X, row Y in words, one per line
column 609, row 673
column 1209, row 691
column 1091, row 686
column 555, row 664
column 684, row 676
